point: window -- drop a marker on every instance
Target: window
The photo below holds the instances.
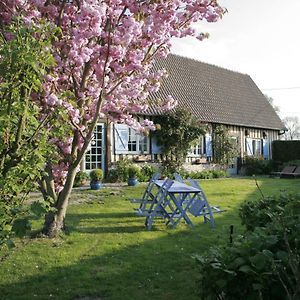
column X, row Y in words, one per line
column 94, row 156
column 132, row 140
column 127, row 140
column 254, row 147
column 199, row 148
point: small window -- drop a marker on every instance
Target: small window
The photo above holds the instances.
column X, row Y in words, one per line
column 254, row 147
column 127, row 140
column 132, row 141
column 198, row 149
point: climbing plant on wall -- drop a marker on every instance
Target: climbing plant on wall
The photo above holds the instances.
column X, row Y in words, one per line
column 177, row 132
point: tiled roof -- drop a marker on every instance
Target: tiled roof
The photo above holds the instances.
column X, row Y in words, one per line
column 215, row 95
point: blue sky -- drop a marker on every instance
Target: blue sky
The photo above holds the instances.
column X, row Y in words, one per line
column 257, row 37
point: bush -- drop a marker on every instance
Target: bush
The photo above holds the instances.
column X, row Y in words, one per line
column 147, row 171
column 133, row 171
column 119, row 173
column 262, row 264
column 292, row 163
column 284, row 151
column 80, row 179
column 208, row 174
column 257, row 166
column 96, row 175
column 113, row 175
column 257, row 213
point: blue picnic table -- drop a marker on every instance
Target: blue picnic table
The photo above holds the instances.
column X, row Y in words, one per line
column 172, row 202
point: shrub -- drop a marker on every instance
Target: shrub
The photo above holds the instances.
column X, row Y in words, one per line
column 292, row 163
column 262, row 264
column 284, row 151
column 256, row 166
column 119, row 173
column 80, row 179
column 169, row 167
column 256, row 213
column 96, row 175
column 133, row 171
column 113, row 175
column 146, row 172
column 208, row 174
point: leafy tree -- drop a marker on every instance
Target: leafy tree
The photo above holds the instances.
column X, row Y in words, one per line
column 24, row 59
column 271, row 101
column 104, row 54
column 292, row 125
column 224, row 146
column 178, row 130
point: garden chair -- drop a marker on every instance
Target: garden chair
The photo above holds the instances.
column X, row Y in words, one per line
column 201, row 207
column 285, row 170
column 178, row 177
column 148, row 196
column 160, row 204
column 294, row 174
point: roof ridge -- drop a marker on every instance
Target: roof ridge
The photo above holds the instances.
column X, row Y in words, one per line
column 209, row 64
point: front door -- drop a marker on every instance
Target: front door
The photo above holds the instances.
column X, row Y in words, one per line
column 94, row 157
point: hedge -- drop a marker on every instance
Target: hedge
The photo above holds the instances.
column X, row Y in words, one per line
column 284, row 151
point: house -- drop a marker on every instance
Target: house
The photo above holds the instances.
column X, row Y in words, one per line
column 215, row 96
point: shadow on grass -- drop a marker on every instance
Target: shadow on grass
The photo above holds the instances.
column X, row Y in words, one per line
column 149, row 268
column 112, row 263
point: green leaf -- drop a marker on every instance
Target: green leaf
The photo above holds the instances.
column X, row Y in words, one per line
column 246, row 269
column 21, row 226
column 38, row 209
column 257, row 286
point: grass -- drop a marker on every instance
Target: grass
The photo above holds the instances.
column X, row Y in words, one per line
column 108, row 254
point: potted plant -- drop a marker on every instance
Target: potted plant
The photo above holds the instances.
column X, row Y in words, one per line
column 133, row 172
column 96, row 177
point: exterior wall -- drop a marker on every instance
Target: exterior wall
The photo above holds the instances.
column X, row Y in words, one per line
column 238, row 132
column 193, row 162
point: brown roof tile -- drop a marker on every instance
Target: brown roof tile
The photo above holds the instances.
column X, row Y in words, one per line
column 215, row 94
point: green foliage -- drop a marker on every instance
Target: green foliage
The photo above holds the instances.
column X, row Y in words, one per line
column 257, row 166
column 23, row 147
column 133, row 171
column 285, row 151
column 96, row 175
column 169, row 167
column 225, row 148
column 80, row 179
column 292, row 163
column 146, row 172
column 110, row 245
column 119, row 173
column 257, row 213
column 178, row 130
column 208, row 174
column 264, row 263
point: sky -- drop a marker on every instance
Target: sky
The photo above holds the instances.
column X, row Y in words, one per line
column 260, row 38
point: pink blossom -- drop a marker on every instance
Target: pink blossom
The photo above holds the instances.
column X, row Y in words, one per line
column 104, row 59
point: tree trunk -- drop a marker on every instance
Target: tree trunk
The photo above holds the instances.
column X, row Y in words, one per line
column 55, row 221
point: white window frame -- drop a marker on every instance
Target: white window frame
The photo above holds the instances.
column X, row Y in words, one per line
column 197, row 150
column 134, row 141
column 254, row 147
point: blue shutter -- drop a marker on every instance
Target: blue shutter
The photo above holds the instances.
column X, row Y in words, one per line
column 208, row 144
column 266, row 151
column 249, row 147
column 156, row 149
column 121, row 133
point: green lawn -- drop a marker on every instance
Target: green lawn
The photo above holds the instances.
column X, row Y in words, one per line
column 108, row 254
